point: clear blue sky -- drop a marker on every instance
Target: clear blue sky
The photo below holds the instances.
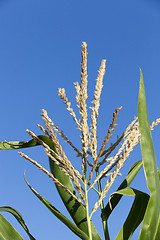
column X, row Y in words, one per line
column 40, row 51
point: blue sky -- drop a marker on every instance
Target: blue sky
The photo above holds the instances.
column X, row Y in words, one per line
column 40, row 51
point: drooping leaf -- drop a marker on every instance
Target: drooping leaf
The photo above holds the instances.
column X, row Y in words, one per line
column 150, row 223
column 18, row 217
column 75, row 209
column 7, row 231
column 19, row 145
column 136, row 213
column 117, row 197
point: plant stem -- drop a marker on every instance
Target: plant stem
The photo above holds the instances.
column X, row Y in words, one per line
column 105, row 227
column 87, row 211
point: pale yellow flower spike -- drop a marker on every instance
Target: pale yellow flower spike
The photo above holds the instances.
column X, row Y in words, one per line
column 83, row 107
column 95, row 108
column 62, row 94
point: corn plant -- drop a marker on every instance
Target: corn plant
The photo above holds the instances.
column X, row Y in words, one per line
column 99, row 167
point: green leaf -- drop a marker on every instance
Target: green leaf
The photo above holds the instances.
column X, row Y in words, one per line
column 151, row 219
column 59, row 215
column 117, row 197
column 18, row 217
column 7, row 231
column 22, row 144
column 75, row 209
column 136, row 213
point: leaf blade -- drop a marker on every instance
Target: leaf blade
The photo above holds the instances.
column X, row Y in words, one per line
column 7, row 231
column 18, row 217
column 136, row 213
column 152, row 215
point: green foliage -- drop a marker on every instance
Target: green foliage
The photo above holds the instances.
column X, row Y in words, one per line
column 18, row 217
column 150, row 225
column 136, row 213
column 7, row 232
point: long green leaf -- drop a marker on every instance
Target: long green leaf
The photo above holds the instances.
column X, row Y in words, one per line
column 136, row 213
column 117, row 197
column 7, row 231
column 18, row 217
column 76, row 210
column 151, row 219
column 59, row 215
